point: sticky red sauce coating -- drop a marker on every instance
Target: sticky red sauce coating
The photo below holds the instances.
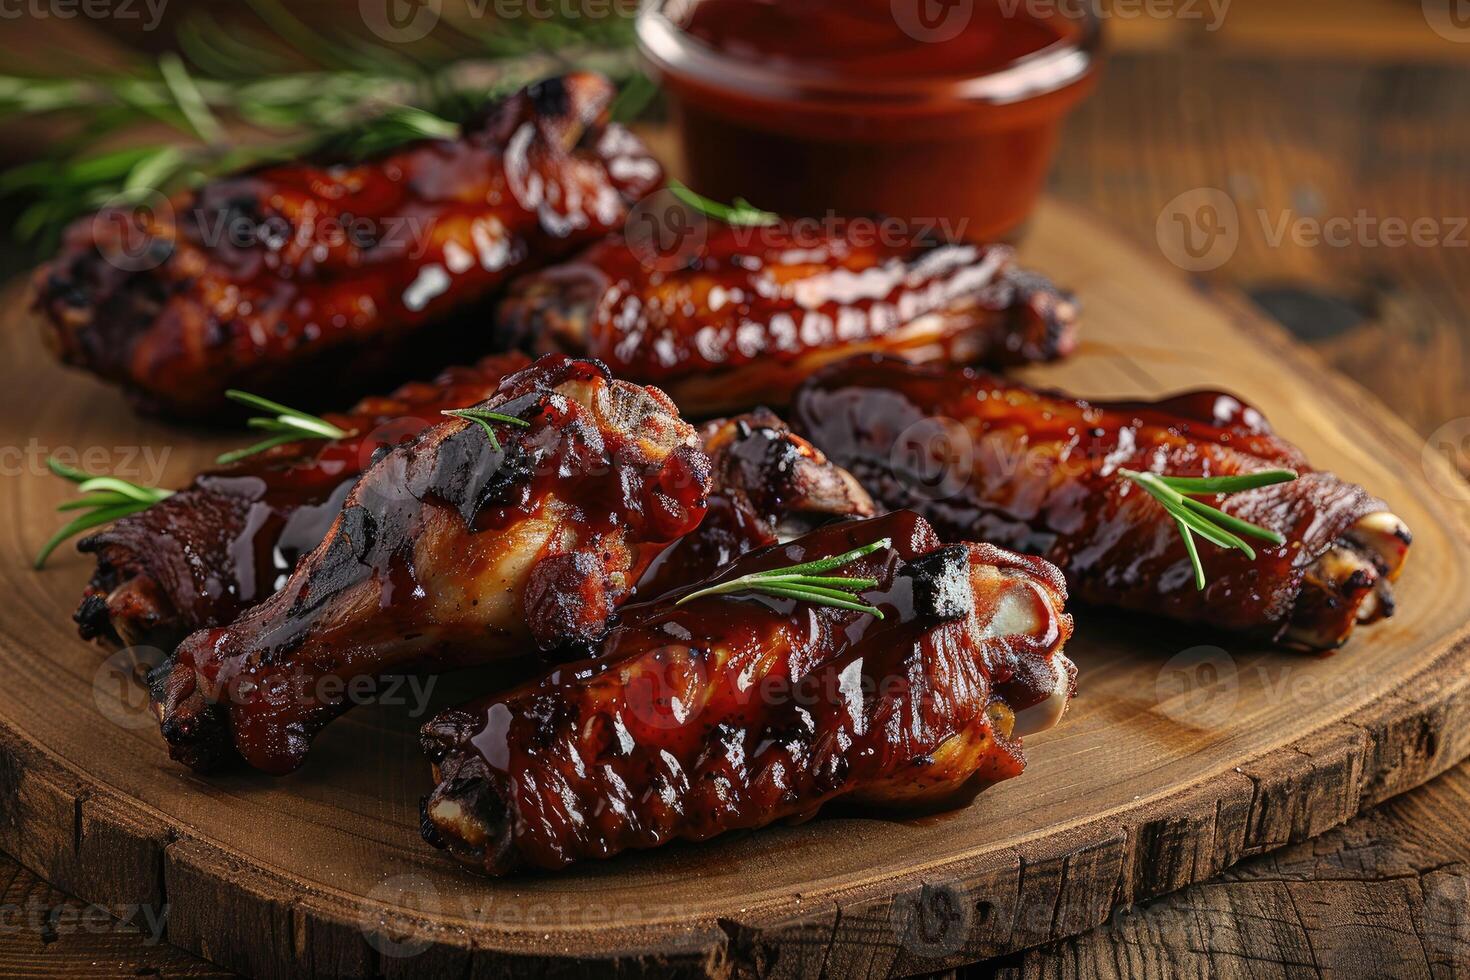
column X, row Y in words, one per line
column 751, row 311
column 736, row 711
column 986, row 458
column 453, row 549
column 231, row 537
column 310, row 280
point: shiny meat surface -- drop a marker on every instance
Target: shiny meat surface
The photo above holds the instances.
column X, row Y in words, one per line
column 770, row 485
column 736, row 711
column 228, row 540
column 447, row 552
column 756, row 310
column 986, row 458
column 310, row 281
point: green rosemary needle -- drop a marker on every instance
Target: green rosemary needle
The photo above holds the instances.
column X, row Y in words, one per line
column 740, row 212
column 483, row 417
column 806, row 583
column 286, row 425
column 1214, row 525
column 105, row 499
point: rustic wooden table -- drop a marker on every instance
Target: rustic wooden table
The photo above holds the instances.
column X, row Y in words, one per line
column 1314, row 154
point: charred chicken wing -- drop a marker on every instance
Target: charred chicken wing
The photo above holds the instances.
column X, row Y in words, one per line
column 284, row 277
column 757, row 309
column 735, row 711
column 484, row 538
column 228, row 540
column 987, row 458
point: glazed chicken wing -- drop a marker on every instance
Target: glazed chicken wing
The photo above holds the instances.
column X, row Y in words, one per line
column 983, row 457
column 228, row 540
column 289, row 277
column 735, row 711
column 759, row 308
column 467, row 545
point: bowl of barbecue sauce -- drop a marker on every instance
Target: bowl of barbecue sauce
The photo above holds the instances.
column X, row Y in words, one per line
column 942, row 112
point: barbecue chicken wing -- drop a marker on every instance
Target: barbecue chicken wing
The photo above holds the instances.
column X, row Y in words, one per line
column 758, row 309
column 735, row 711
column 460, row 547
column 228, row 540
column 286, row 278
column 770, row 485
column 983, row 457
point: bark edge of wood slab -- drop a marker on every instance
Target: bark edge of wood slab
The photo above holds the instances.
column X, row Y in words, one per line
column 1122, row 802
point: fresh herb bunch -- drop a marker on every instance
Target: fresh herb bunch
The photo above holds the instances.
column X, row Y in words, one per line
column 807, row 582
column 1193, row 517
column 296, row 91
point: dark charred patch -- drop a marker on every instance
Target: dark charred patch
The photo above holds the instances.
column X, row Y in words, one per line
column 941, row 583
column 470, row 475
column 550, row 97
column 92, row 618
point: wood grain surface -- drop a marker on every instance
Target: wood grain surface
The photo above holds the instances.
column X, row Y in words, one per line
column 1185, row 752
column 1323, row 106
column 1386, row 896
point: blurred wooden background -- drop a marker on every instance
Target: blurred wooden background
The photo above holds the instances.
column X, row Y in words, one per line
column 1301, row 112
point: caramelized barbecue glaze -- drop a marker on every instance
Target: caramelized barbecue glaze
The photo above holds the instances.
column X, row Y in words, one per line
column 736, row 711
column 770, row 485
column 757, row 309
column 986, row 458
column 227, row 541
column 447, row 552
column 315, row 278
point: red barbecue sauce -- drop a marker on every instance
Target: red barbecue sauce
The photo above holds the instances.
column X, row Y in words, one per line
column 924, row 110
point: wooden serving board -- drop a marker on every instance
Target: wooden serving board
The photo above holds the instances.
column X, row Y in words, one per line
column 1184, row 751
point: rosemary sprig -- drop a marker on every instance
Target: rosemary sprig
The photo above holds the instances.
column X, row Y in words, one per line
column 397, row 125
column 806, row 583
column 287, row 425
column 105, row 499
column 739, row 212
column 317, row 91
column 483, row 417
column 1214, row 525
